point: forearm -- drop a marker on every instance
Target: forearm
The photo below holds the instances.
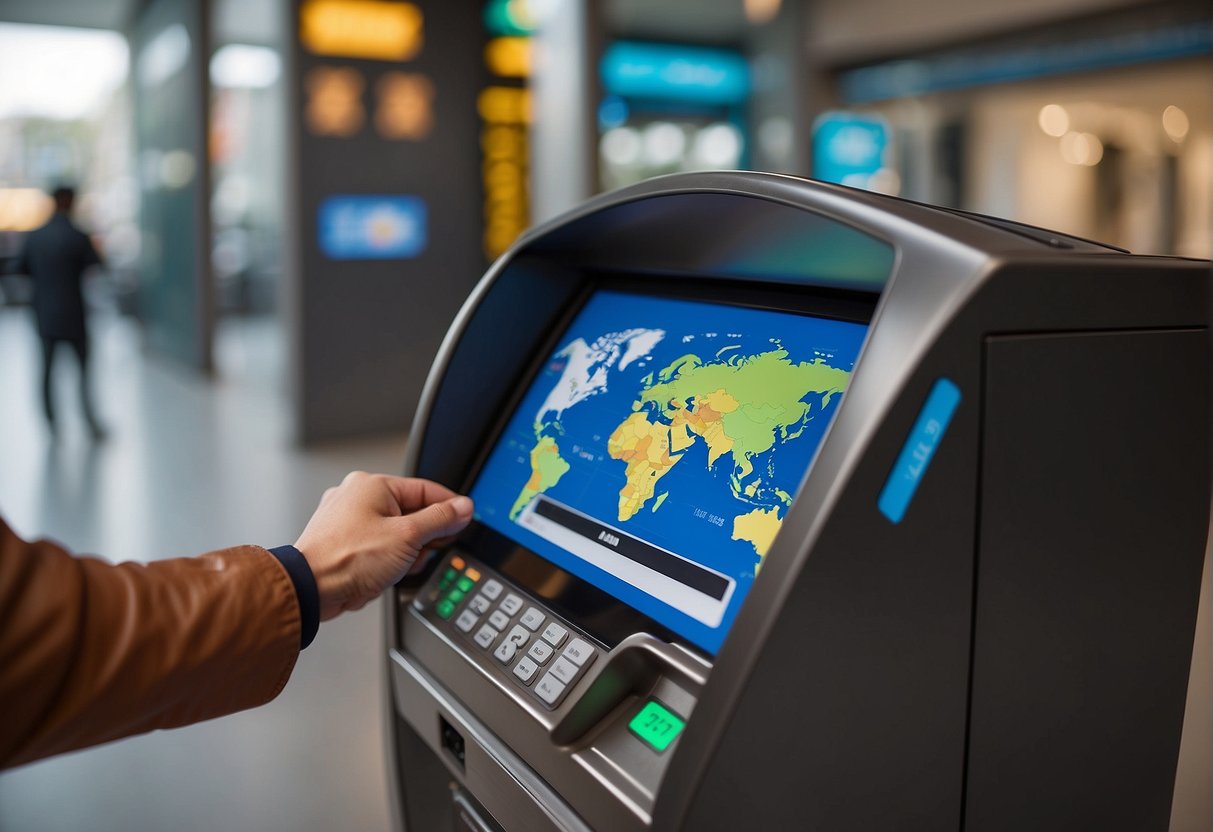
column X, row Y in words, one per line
column 93, row 652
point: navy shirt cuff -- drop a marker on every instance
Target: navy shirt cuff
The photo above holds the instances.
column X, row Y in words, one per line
column 305, row 590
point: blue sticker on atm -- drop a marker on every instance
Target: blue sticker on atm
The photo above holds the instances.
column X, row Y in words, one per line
column 920, row 447
column 372, row 227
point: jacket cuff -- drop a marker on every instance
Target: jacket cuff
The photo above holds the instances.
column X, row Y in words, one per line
column 305, row 591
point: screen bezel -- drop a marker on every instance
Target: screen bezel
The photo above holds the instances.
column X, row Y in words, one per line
column 616, row 620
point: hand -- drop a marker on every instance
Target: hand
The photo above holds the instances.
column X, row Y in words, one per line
column 368, row 531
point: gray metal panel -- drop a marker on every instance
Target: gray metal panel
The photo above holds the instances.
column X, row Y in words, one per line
column 1095, row 487
column 847, row 710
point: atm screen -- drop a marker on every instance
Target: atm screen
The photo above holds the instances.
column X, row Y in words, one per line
column 659, row 448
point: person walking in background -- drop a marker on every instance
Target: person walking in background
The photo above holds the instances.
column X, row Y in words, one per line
column 56, row 256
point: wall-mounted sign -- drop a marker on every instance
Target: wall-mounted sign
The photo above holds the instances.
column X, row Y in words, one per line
column 674, row 72
column 406, row 106
column 372, row 227
column 849, row 148
column 334, row 101
column 382, row 30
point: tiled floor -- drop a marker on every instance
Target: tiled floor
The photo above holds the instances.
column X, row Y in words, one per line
column 192, row 465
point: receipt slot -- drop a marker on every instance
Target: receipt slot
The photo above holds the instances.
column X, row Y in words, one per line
column 799, row 507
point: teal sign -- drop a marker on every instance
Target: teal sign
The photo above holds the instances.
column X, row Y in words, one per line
column 689, row 74
column 848, row 148
column 919, row 449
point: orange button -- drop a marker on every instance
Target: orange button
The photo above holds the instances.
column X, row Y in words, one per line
column 457, row 563
column 474, row 574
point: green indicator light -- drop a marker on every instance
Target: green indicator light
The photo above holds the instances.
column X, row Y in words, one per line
column 445, row 609
column 465, row 584
column 454, row 596
column 656, row 725
column 450, row 575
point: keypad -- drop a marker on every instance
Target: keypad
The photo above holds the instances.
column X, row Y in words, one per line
column 539, row 652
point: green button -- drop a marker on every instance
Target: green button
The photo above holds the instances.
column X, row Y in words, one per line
column 446, row 609
column 465, row 583
column 656, row 725
column 455, row 596
column 449, row 576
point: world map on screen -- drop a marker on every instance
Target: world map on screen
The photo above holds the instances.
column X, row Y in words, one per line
column 687, row 425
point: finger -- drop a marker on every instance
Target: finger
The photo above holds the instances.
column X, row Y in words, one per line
column 436, row 520
column 412, row 492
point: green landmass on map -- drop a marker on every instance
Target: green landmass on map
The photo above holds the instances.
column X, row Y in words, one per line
column 740, row 407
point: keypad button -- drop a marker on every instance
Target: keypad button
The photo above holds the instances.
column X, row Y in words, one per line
column 518, row 636
column 554, row 634
column 511, row 604
column 505, row 651
column 549, row 688
column 526, row 669
column 465, row 584
column 532, row 619
column 455, row 596
column 499, row 620
column 449, row 576
column 541, row 651
column 578, row 652
column 514, row 641
column 479, row 605
column 466, row 621
column 491, row 589
column 564, row 670
column 445, row 609
column 485, row 636
column 474, row 574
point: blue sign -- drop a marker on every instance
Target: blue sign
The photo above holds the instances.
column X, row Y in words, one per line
column 920, row 447
column 372, row 227
column 672, row 72
column 848, row 148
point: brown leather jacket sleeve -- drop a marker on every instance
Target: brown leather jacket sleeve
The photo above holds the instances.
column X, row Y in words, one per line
column 91, row 652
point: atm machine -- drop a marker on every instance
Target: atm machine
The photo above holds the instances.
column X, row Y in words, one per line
column 799, row 507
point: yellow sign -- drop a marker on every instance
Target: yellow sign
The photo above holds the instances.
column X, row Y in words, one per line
column 376, row 29
column 406, row 108
column 334, row 101
column 509, row 57
column 504, row 105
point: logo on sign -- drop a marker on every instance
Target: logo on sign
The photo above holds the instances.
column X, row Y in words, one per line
column 372, row 227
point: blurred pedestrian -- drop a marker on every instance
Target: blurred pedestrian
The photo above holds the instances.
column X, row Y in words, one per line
column 56, row 257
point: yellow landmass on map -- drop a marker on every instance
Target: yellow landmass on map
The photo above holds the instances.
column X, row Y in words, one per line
column 759, row 527
column 705, row 417
column 547, row 467
column 644, row 448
